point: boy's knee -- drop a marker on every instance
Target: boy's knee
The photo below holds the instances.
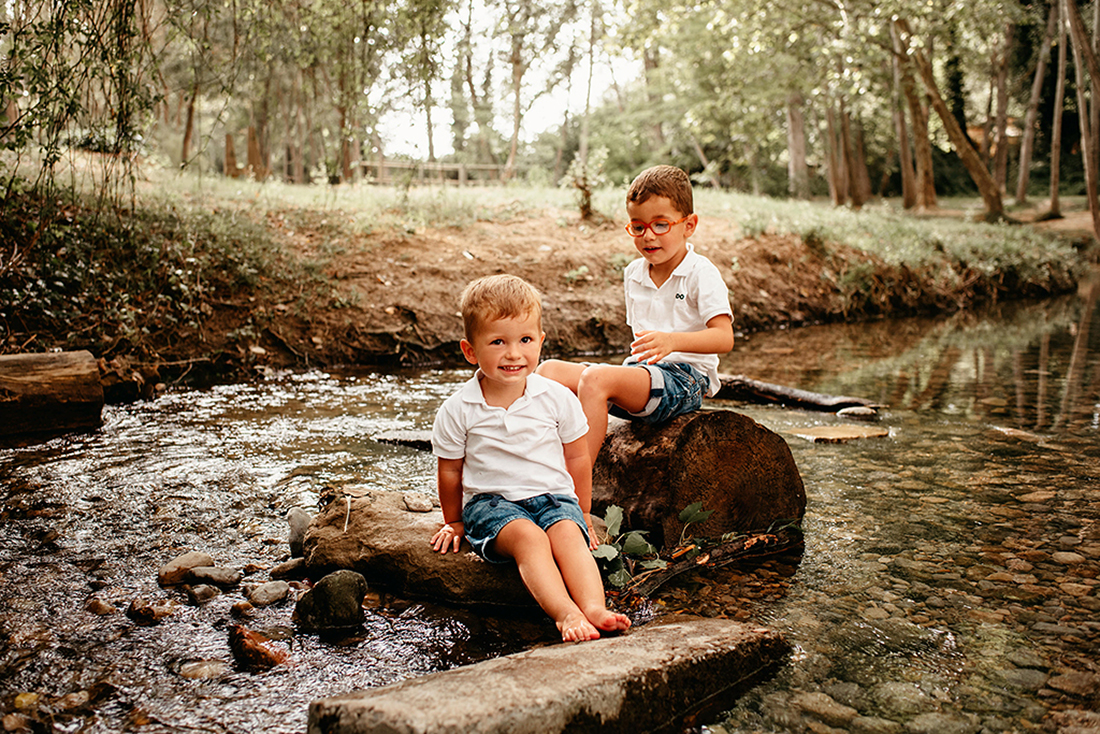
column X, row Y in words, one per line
column 596, row 380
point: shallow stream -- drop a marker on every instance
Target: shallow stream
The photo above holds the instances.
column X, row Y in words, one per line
column 949, row 580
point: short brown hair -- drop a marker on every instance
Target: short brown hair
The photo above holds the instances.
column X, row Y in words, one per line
column 667, row 181
column 498, row 297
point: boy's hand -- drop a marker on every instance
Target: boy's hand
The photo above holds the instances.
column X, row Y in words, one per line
column 593, row 541
column 651, row 347
column 448, row 537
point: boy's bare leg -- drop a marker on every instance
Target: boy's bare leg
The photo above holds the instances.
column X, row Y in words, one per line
column 625, row 386
column 567, row 373
column 582, row 576
column 530, row 547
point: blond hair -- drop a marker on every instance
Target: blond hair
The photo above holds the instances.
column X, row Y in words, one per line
column 667, row 181
column 495, row 297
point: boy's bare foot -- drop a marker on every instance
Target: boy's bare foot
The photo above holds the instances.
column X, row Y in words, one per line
column 607, row 620
column 577, row 628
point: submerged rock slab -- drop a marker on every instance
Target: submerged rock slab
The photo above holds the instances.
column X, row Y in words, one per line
column 638, row 682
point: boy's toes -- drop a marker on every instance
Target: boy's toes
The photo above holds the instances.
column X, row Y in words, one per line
column 608, row 621
column 577, row 628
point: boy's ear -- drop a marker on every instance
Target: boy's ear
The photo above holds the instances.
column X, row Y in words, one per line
column 468, row 351
column 690, row 224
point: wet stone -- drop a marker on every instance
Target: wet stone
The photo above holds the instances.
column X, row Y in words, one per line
column 201, row 593
column 1076, row 684
column 1025, row 679
column 939, row 723
column 298, row 519
column 97, row 606
column 203, row 669
column 1026, row 659
column 822, row 707
column 177, row 570
column 900, row 700
column 873, row 725
column 295, row 568
column 417, row 502
column 1067, row 557
column 217, row 575
column 270, row 593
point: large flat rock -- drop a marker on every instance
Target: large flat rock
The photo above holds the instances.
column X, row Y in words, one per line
column 641, row 681
column 379, row 537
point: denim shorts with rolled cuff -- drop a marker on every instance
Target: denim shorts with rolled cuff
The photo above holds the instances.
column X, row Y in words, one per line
column 675, row 388
column 485, row 515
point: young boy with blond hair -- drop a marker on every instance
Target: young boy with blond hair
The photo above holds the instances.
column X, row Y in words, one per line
column 677, row 306
column 514, row 476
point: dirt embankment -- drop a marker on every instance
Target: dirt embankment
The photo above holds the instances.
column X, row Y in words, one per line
column 393, row 297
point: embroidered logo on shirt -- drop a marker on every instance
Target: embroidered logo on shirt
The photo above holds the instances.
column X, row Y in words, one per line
column 680, row 296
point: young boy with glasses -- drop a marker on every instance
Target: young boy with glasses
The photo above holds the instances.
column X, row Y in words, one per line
column 677, row 306
column 514, row 477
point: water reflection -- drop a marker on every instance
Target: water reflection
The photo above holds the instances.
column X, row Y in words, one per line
column 950, row 569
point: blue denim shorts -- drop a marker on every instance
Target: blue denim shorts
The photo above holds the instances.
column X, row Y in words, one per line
column 675, row 388
column 486, row 514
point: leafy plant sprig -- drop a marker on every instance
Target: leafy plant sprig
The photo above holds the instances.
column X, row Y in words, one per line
column 625, row 551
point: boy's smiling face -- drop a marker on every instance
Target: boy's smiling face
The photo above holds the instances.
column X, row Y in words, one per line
column 662, row 252
column 507, row 351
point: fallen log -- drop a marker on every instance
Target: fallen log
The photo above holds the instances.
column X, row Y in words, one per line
column 734, row 466
column 739, row 387
column 49, row 393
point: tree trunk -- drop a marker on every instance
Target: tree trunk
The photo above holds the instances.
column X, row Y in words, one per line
column 1032, row 116
column 189, row 128
column 1056, row 124
column 905, row 155
column 49, row 393
column 732, row 465
column 798, row 173
column 922, row 142
column 1088, row 139
column 861, row 177
column 1000, row 158
column 651, row 62
column 517, row 104
column 838, row 174
column 990, row 193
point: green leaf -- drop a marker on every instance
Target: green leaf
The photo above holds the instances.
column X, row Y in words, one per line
column 606, row 552
column 614, row 519
column 634, row 544
column 620, row 578
column 694, row 513
column 653, row 563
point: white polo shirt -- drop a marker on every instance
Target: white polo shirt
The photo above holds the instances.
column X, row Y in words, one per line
column 514, row 452
column 693, row 295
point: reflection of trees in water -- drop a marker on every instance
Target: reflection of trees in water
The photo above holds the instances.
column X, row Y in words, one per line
column 1029, row 365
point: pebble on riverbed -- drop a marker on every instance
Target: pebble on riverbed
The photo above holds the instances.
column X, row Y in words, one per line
column 176, row 571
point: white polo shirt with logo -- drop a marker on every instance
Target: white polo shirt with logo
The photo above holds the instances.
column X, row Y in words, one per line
column 514, row 452
column 693, row 295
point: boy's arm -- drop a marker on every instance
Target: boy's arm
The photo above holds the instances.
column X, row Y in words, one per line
column 579, row 465
column 449, row 483
column 653, row 346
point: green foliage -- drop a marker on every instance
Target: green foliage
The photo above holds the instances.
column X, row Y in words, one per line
column 624, row 552
column 124, row 278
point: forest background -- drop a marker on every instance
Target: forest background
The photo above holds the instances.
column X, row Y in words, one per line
column 109, row 104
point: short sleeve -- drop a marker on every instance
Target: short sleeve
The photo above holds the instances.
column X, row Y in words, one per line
column 448, row 432
column 572, row 423
column 713, row 295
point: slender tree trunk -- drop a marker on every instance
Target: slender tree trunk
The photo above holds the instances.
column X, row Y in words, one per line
column 838, row 176
column 798, row 173
column 987, row 187
column 651, row 62
column 1000, row 159
column 922, row 141
column 1056, row 124
column 852, row 175
column 1028, row 142
column 189, row 128
column 1081, row 49
column 861, row 177
column 905, row 156
column 517, row 104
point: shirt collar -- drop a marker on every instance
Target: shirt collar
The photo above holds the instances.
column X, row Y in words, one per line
column 641, row 275
column 471, row 391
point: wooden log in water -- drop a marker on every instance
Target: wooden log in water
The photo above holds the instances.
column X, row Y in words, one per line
column 739, row 387
column 49, row 393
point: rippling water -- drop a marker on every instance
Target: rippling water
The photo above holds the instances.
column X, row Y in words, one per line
column 933, row 582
